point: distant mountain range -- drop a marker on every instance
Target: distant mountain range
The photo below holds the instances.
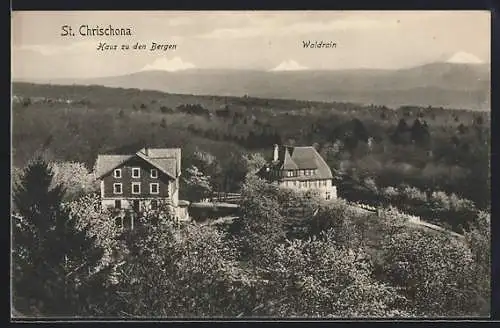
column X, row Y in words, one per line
column 449, row 85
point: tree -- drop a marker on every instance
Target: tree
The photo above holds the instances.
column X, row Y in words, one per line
column 434, row 271
column 177, row 271
column 337, row 218
column 317, row 278
column 75, row 178
column 479, row 240
column 88, row 214
column 462, row 129
column 262, row 222
column 54, row 262
column 400, row 135
column 165, row 109
column 234, row 173
column 420, row 133
column 197, row 184
column 253, row 162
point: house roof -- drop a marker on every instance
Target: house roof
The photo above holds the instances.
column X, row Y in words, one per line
column 302, row 158
column 167, row 160
column 288, row 162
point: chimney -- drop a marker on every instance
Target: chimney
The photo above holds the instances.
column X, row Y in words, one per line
column 146, row 151
column 275, row 156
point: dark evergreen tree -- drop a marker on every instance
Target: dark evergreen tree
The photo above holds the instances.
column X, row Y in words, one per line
column 165, row 110
column 420, row 133
column 478, row 120
column 359, row 130
column 54, row 262
column 400, row 135
column 462, row 129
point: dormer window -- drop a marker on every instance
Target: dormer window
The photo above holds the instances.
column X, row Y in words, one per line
column 154, row 173
column 117, row 173
column 136, row 172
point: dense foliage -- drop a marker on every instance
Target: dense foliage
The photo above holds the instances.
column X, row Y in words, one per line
column 288, row 254
column 55, row 264
column 342, row 263
column 431, row 149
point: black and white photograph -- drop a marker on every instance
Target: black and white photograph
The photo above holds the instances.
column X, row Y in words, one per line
column 244, row 165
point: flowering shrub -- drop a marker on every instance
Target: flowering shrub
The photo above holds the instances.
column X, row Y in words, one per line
column 75, row 178
column 317, row 278
column 176, row 271
column 98, row 222
column 433, row 271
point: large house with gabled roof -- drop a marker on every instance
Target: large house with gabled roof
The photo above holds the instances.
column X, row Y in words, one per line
column 300, row 168
column 140, row 181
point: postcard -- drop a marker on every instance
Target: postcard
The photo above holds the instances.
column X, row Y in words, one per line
column 215, row 165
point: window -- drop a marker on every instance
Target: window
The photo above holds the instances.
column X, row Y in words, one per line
column 136, row 172
column 289, row 173
column 117, row 188
column 328, row 196
column 118, row 203
column 136, row 188
column 154, row 173
column 117, row 173
column 154, row 188
column 154, row 204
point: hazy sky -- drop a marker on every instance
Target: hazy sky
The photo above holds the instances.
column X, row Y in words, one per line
column 245, row 39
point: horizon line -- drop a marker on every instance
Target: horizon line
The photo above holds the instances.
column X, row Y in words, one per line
column 272, row 71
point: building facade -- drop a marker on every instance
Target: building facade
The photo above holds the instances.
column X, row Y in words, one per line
column 142, row 181
column 300, row 168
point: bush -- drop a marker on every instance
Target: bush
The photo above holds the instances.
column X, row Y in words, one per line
column 75, row 178
column 433, row 271
column 177, row 271
column 316, row 278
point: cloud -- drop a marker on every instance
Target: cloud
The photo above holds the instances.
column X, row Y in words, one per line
column 465, row 58
column 347, row 23
column 170, row 65
column 288, row 65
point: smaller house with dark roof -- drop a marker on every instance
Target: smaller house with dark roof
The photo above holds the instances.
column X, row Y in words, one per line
column 140, row 181
column 300, row 168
